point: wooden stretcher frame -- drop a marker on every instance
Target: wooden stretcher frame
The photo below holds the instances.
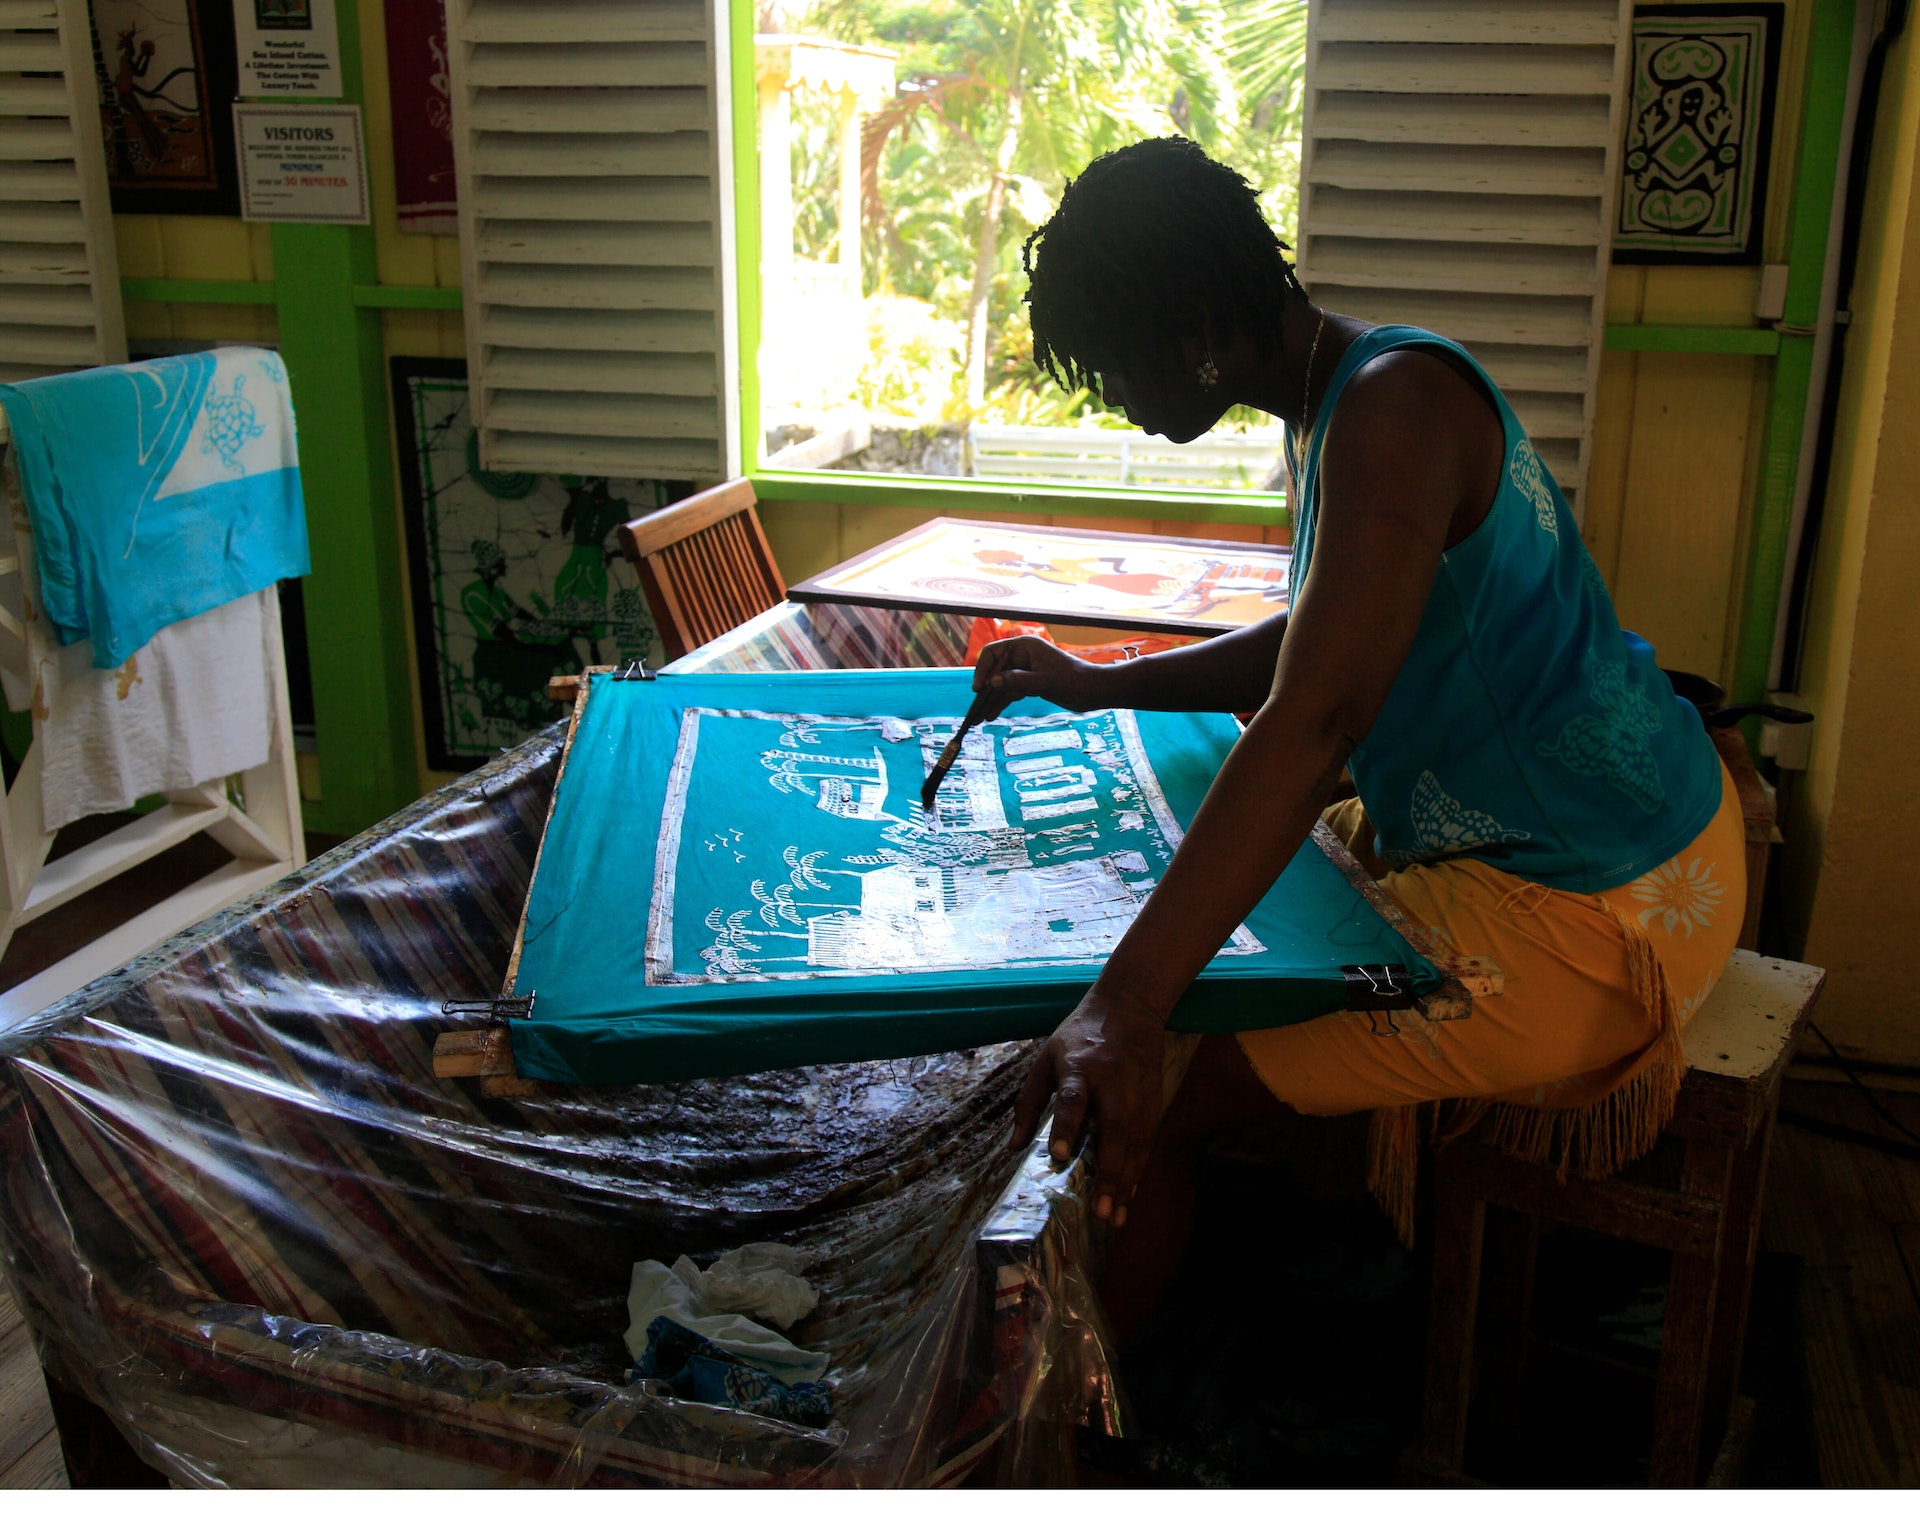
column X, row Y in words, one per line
column 486, row 1053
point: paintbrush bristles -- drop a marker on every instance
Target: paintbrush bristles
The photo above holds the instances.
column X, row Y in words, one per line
column 940, row 767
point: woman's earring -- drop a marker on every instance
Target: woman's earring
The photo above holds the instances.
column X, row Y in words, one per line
column 1207, row 374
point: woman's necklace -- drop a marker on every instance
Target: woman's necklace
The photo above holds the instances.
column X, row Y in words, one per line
column 1306, row 389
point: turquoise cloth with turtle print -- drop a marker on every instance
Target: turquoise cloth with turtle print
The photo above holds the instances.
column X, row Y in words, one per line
column 157, row 491
column 1526, row 729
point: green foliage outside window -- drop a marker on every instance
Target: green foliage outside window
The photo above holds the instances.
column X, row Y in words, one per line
column 998, row 103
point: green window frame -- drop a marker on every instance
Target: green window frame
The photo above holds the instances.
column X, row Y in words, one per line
column 918, row 492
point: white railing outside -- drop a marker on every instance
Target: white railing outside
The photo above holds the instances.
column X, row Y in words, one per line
column 1224, row 460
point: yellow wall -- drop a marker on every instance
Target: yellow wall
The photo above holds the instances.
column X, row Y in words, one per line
column 1675, row 448
column 1676, row 436
column 1852, row 880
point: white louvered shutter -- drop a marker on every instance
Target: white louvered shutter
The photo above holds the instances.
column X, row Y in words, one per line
column 590, row 138
column 1458, row 173
column 59, row 276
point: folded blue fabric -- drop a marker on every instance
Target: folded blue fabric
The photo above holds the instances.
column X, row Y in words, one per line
column 696, row 1368
column 157, row 491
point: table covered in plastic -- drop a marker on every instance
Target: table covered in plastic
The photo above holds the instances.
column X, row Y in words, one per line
column 243, row 1217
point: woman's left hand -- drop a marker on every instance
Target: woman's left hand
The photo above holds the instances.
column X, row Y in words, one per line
column 1105, row 1061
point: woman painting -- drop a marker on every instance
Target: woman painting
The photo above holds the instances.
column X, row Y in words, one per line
column 1530, row 788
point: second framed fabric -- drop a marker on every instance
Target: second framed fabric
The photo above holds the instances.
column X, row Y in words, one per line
column 1699, row 133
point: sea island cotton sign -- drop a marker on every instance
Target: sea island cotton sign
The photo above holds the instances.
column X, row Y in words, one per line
column 302, row 163
column 287, row 47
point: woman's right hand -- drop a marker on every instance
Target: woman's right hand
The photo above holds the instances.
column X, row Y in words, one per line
column 1017, row 667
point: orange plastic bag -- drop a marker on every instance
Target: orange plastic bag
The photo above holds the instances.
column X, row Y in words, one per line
column 988, row 629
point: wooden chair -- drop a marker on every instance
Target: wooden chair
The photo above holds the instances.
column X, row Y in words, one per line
column 1737, row 1046
column 704, row 565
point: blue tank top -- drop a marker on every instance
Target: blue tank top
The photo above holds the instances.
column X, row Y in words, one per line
column 1525, row 729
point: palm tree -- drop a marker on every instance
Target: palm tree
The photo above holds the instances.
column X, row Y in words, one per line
column 1032, row 89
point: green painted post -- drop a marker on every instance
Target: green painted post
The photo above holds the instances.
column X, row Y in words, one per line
column 356, row 635
column 1830, row 48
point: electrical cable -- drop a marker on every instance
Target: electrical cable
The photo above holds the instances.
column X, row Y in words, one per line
column 1878, row 1109
column 1907, row 1149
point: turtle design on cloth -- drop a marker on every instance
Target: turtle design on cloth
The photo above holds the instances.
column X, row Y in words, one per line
column 1613, row 746
column 232, row 423
column 1529, row 476
column 1442, row 826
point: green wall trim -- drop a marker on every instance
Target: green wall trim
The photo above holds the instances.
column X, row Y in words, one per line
column 1760, row 341
column 1829, row 54
column 997, row 496
column 406, row 297
column 198, row 291
column 356, row 632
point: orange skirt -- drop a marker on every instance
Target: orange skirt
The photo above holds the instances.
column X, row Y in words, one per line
column 1579, row 1060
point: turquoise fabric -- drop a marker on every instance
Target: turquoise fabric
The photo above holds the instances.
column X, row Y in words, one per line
column 1525, row 729
column 702, row 831
column 157, row 491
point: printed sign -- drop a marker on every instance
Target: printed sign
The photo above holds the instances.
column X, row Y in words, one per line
column 288, row 47
column 301, row 163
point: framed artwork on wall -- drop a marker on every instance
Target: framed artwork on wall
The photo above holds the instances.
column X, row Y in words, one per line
column 167, row 76
column 515, row 577
column 1701, row 82
column 1076, row 577
column 419, row 90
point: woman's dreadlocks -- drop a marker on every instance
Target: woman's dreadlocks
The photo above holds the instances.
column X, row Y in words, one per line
column 1152, row 243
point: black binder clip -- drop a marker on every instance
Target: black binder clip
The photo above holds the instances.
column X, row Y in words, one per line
column 495, row 1008
column 633, row 668
column 1375, row 987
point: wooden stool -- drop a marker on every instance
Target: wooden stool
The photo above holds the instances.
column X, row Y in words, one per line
column 1737, row 1048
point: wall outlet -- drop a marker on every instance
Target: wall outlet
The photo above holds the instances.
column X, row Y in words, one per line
column 1790, row 746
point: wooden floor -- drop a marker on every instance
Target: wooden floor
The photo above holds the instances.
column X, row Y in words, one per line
column 29, row 1450
column 29, row 1447
column 1851, row 1212
column 1854, row 1215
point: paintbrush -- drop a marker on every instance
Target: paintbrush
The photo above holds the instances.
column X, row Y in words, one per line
column 950, row 752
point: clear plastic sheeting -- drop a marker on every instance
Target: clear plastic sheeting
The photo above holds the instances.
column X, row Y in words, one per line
column 242, row 1215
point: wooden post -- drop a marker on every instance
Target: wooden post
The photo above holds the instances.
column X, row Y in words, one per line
column 1686, row 1339
column 1460, row 1216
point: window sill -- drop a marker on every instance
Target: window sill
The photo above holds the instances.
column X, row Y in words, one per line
column 1015, row 497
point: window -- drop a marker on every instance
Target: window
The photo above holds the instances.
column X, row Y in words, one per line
column 906, row 149
column 701, row 237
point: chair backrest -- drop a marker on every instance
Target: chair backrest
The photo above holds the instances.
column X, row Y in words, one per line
column 704, row 565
